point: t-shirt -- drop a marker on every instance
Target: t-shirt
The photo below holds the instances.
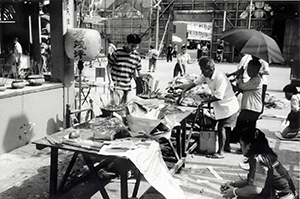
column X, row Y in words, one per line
column 184, row 58
column 18, row 48
column 295, row 103
column 244, row 64
column 220, row 48
column 153, row 53
column 221, row 88
column 259, row 173
column 123, row 67
column 111, row 49
column 252, row 94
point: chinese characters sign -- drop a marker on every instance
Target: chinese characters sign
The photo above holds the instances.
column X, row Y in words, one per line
column 199, row 30
column 82, row 44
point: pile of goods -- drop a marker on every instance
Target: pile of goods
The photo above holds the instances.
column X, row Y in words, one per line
column 111, row 103
column 109, row 128
column 148, row 117
column 192, row 97
column 149, row 87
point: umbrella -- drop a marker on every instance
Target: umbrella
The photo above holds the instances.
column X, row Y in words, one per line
column 255, row 43
column 176, row 39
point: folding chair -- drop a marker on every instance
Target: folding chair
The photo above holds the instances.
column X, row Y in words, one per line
column 74, row 117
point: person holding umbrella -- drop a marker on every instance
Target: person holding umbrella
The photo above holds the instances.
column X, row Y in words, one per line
column 252, row 103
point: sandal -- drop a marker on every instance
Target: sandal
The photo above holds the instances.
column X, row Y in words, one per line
column 215, row 156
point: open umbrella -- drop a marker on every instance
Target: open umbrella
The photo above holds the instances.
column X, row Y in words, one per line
column 255, row 43
column 176, row 39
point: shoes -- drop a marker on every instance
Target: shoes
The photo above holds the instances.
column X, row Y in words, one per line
column 215, row 156
column 105, row 174
column 149, row 71
column 153, row 71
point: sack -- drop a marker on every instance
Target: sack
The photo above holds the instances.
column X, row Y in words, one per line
column 207, row 142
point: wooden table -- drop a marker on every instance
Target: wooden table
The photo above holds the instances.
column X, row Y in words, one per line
column 180, row 151
column 86, row 153
column 181, row 147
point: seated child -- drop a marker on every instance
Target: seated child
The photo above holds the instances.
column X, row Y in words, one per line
column 291, row 93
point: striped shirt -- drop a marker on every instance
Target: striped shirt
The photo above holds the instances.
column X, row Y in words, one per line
column 123, row 66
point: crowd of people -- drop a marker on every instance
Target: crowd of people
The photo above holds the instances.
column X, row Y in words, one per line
column 267, row 177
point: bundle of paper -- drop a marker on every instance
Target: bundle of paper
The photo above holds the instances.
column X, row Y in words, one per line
column 86, row 144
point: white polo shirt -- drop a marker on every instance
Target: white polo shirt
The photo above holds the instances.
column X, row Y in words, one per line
column 220, row 88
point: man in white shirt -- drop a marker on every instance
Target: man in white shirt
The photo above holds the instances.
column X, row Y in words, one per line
column 223, row 100
column 18, row 52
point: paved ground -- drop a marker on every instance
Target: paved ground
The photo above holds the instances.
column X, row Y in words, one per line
column 24, row 171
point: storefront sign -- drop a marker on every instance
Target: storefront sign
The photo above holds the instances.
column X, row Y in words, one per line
column 199, row 30
column 68, row 14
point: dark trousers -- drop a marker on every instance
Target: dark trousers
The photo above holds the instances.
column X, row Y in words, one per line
column 245, row 119
column 169, row 57
column 178, row 70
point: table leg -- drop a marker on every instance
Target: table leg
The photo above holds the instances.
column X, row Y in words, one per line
column 137, row 184
column 67, row 173
column 178, row 141
column 53, row 172
column 124, row 187
column 89, row 163
column 183, row 141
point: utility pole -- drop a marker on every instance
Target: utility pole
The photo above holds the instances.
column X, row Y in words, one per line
column 250, row 13
column 157, row 27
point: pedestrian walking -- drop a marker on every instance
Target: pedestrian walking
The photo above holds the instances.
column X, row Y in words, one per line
column 183, row 59
column 18, row 52
column 153, row 56
column 205, row 50
column 199, row 51
column 175, row 51
column 170, row 52
column 220, row 49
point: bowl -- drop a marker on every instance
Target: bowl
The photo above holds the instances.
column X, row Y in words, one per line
column 2, row 88
column 36, row 80
column 18, row 84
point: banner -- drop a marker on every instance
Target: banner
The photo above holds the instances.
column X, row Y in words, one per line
column 199, row 30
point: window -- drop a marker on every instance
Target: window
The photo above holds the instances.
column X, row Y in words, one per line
column 7, row 12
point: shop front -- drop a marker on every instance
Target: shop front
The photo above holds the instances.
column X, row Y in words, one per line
column 35, row 110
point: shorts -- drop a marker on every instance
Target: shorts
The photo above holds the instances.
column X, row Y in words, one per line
column 229, row 121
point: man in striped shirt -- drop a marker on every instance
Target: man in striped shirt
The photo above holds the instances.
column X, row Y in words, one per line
column 123, row 65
